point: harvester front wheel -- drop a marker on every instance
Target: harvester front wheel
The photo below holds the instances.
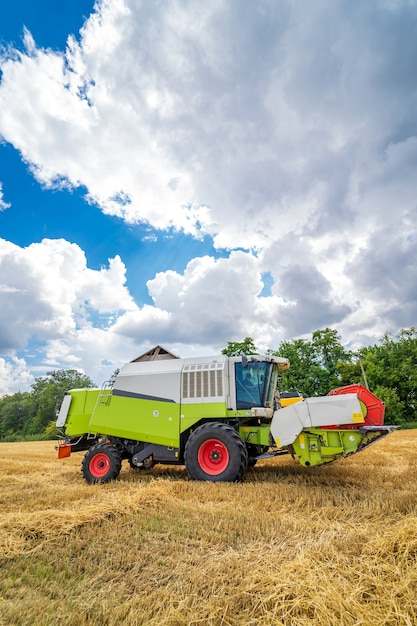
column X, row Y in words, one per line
column 102, row 463
column 215, row 452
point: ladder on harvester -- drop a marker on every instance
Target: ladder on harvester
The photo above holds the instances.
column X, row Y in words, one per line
column 103, row 398
column 104, row 394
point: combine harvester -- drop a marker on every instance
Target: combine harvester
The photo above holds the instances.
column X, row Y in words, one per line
column 216, row 415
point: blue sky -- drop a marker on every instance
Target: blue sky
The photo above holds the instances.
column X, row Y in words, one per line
column 190, row 174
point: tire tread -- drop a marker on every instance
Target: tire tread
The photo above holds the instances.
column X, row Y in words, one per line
column 228, row 435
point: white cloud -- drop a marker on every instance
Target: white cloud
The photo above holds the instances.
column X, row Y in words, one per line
column 47, row 292
column 3, row 205
column 14, row 376
column 212, row 302
column 227, row 124
column 46, row 287
column 273, row 127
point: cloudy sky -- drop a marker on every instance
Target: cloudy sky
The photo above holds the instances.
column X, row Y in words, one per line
column 189, row 173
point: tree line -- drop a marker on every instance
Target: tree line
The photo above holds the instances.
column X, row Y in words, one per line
column 318, row 365
column 32, row 414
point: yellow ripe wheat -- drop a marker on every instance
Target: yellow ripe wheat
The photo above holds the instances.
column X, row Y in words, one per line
column 289, row 545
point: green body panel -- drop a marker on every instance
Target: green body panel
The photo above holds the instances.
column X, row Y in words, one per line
column 195, row 412
column 139, row 419
column 96, row 412
column 317, row 446
column 242, row 414
column 258, row 435
column 82, row 406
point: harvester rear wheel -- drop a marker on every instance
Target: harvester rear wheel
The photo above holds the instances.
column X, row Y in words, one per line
column 215, row 452
column 102, row 463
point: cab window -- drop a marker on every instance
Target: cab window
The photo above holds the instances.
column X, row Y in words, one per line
column 249, row 385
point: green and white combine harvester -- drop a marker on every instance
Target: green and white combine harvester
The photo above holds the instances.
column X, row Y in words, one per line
column 216, row 415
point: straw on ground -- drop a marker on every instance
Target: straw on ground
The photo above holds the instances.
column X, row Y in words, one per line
column 289, row 545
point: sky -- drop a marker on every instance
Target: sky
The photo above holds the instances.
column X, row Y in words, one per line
column 187, row 174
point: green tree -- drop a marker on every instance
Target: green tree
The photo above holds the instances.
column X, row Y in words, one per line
column 15, row 412
column 301, row 373
column 328, row 350
column 236, row 348
column 392, row 365
column 316, row 365
column 48, row 392
column 350, row 372
column 394, row 408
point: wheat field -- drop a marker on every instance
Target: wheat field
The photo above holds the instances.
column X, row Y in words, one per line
column 289, row 545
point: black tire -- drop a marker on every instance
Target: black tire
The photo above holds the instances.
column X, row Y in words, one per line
column 215, row 452
column 102, row 463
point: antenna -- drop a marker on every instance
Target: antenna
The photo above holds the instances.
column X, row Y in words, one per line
column 363, row 371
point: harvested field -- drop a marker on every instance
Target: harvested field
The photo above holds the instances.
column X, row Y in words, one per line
column 289, row 545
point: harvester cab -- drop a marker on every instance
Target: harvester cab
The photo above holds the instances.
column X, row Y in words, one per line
column 216, row 415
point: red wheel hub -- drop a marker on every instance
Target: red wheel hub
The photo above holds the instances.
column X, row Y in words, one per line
column 99, row 465
column 213, row 457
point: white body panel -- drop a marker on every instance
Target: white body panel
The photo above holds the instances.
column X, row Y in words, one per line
column 158, row 379
column 63, row 411
column 288, row 422
column 162, row 379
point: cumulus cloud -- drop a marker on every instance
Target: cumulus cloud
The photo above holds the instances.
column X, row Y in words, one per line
column 387, row 273
column 47, row 292
column 286, row 133
column 14, row 376
column 227, row 124
column 214, row 301
column 204, row 305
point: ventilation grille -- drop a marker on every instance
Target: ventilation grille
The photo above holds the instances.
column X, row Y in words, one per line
column 202, row 381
